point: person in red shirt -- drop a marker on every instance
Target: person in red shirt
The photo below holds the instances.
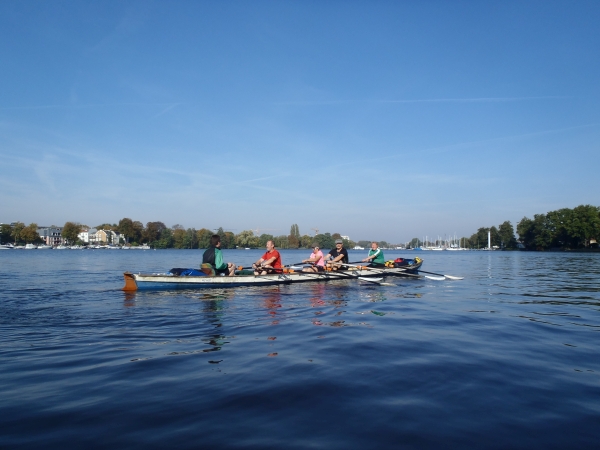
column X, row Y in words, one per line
column 270, row 261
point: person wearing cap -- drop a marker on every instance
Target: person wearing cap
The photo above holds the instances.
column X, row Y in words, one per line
column 316, row 260
column 338, row 256
column 375, row 256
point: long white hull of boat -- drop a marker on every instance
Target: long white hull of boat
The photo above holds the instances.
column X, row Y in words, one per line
column 140, row 281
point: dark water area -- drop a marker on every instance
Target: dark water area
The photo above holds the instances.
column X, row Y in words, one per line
column 509, row 357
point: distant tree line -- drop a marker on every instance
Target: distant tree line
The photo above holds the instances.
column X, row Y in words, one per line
column 565, row 229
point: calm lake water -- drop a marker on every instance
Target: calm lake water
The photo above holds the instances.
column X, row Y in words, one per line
column 509, row 357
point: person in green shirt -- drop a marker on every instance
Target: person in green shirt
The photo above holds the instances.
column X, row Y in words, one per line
column 214, row 257
column 375, row 256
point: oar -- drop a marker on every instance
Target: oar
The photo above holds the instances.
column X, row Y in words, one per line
column 378, row 281
column 250, row 267
column 441, row 276
column 450, row 277
column 372, row 269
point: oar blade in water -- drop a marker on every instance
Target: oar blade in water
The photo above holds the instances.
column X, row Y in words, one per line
column 429, row 277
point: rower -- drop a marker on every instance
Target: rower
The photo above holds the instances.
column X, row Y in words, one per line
column 338, row 256
column 316, row 260
column 375, row 256
column 270, row 262
column 213, row 258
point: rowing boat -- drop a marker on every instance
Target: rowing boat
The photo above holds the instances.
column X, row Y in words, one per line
column 154, row 281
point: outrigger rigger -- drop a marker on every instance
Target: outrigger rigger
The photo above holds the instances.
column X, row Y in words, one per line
column 289, row 275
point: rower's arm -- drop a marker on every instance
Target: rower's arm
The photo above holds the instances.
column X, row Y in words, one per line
column 269, row 261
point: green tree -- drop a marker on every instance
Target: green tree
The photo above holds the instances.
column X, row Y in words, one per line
column 325, row 240
column 294, row 237
column 29, row 234
column 262, row 240
column 414, row 243
column 107, row 226
column 179, row 238
column 70, row 231
column 306, row 241
column 16, row 231
column 138, row 229
column 246, row 239
column 480, row 238
column 506, row 233
column 281, row 241
column 203, row 237
column 126, row 228
column 152, row 232
column 295, row 231
column 227, row 239
column 5, row 233
column 165, row 239
column 585, row 225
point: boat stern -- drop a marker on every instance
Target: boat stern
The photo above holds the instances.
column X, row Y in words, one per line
column 130, row 283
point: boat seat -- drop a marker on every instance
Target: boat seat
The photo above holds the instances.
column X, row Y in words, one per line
column 208, row 269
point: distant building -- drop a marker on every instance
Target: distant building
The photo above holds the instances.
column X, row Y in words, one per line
column 107, row 237
column 346, row 237
column 87, row 235
column 51, row 235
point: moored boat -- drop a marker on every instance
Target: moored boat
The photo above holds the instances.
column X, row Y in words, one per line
column 30, row 247
column 139, row 281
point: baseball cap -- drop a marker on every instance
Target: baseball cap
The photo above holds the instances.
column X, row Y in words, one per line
column 339, row 241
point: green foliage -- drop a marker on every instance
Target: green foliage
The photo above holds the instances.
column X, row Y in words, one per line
column 295, row 231
column 126, row 228
column 29, row 234
column 203, row 236
column 365, row 244
column 16, row 231
column 306, row 241
column 414, row 243
column 70, row 231
column 262, row 240
column 325, row 240
column 281, row 241
column 5, row 233
column 152, row 232
column 293, row 241
column 165, row 239
column 506, row 234
column 565, row 228
column 179, row 240
column 247, row 239
column 106, row 226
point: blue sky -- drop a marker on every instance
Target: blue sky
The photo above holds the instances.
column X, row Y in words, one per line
column 375, row 119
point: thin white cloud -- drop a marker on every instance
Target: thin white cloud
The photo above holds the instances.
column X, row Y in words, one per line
column 169, row 105
column 476, row 99
column 167, row 109
column 425, row 100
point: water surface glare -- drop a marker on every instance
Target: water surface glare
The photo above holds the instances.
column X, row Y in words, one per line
column 506, row 358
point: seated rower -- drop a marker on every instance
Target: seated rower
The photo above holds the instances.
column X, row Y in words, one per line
column 375, row 256
column 316, row 260
column 338, row 256
column 213, row 256
column 270, row 261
